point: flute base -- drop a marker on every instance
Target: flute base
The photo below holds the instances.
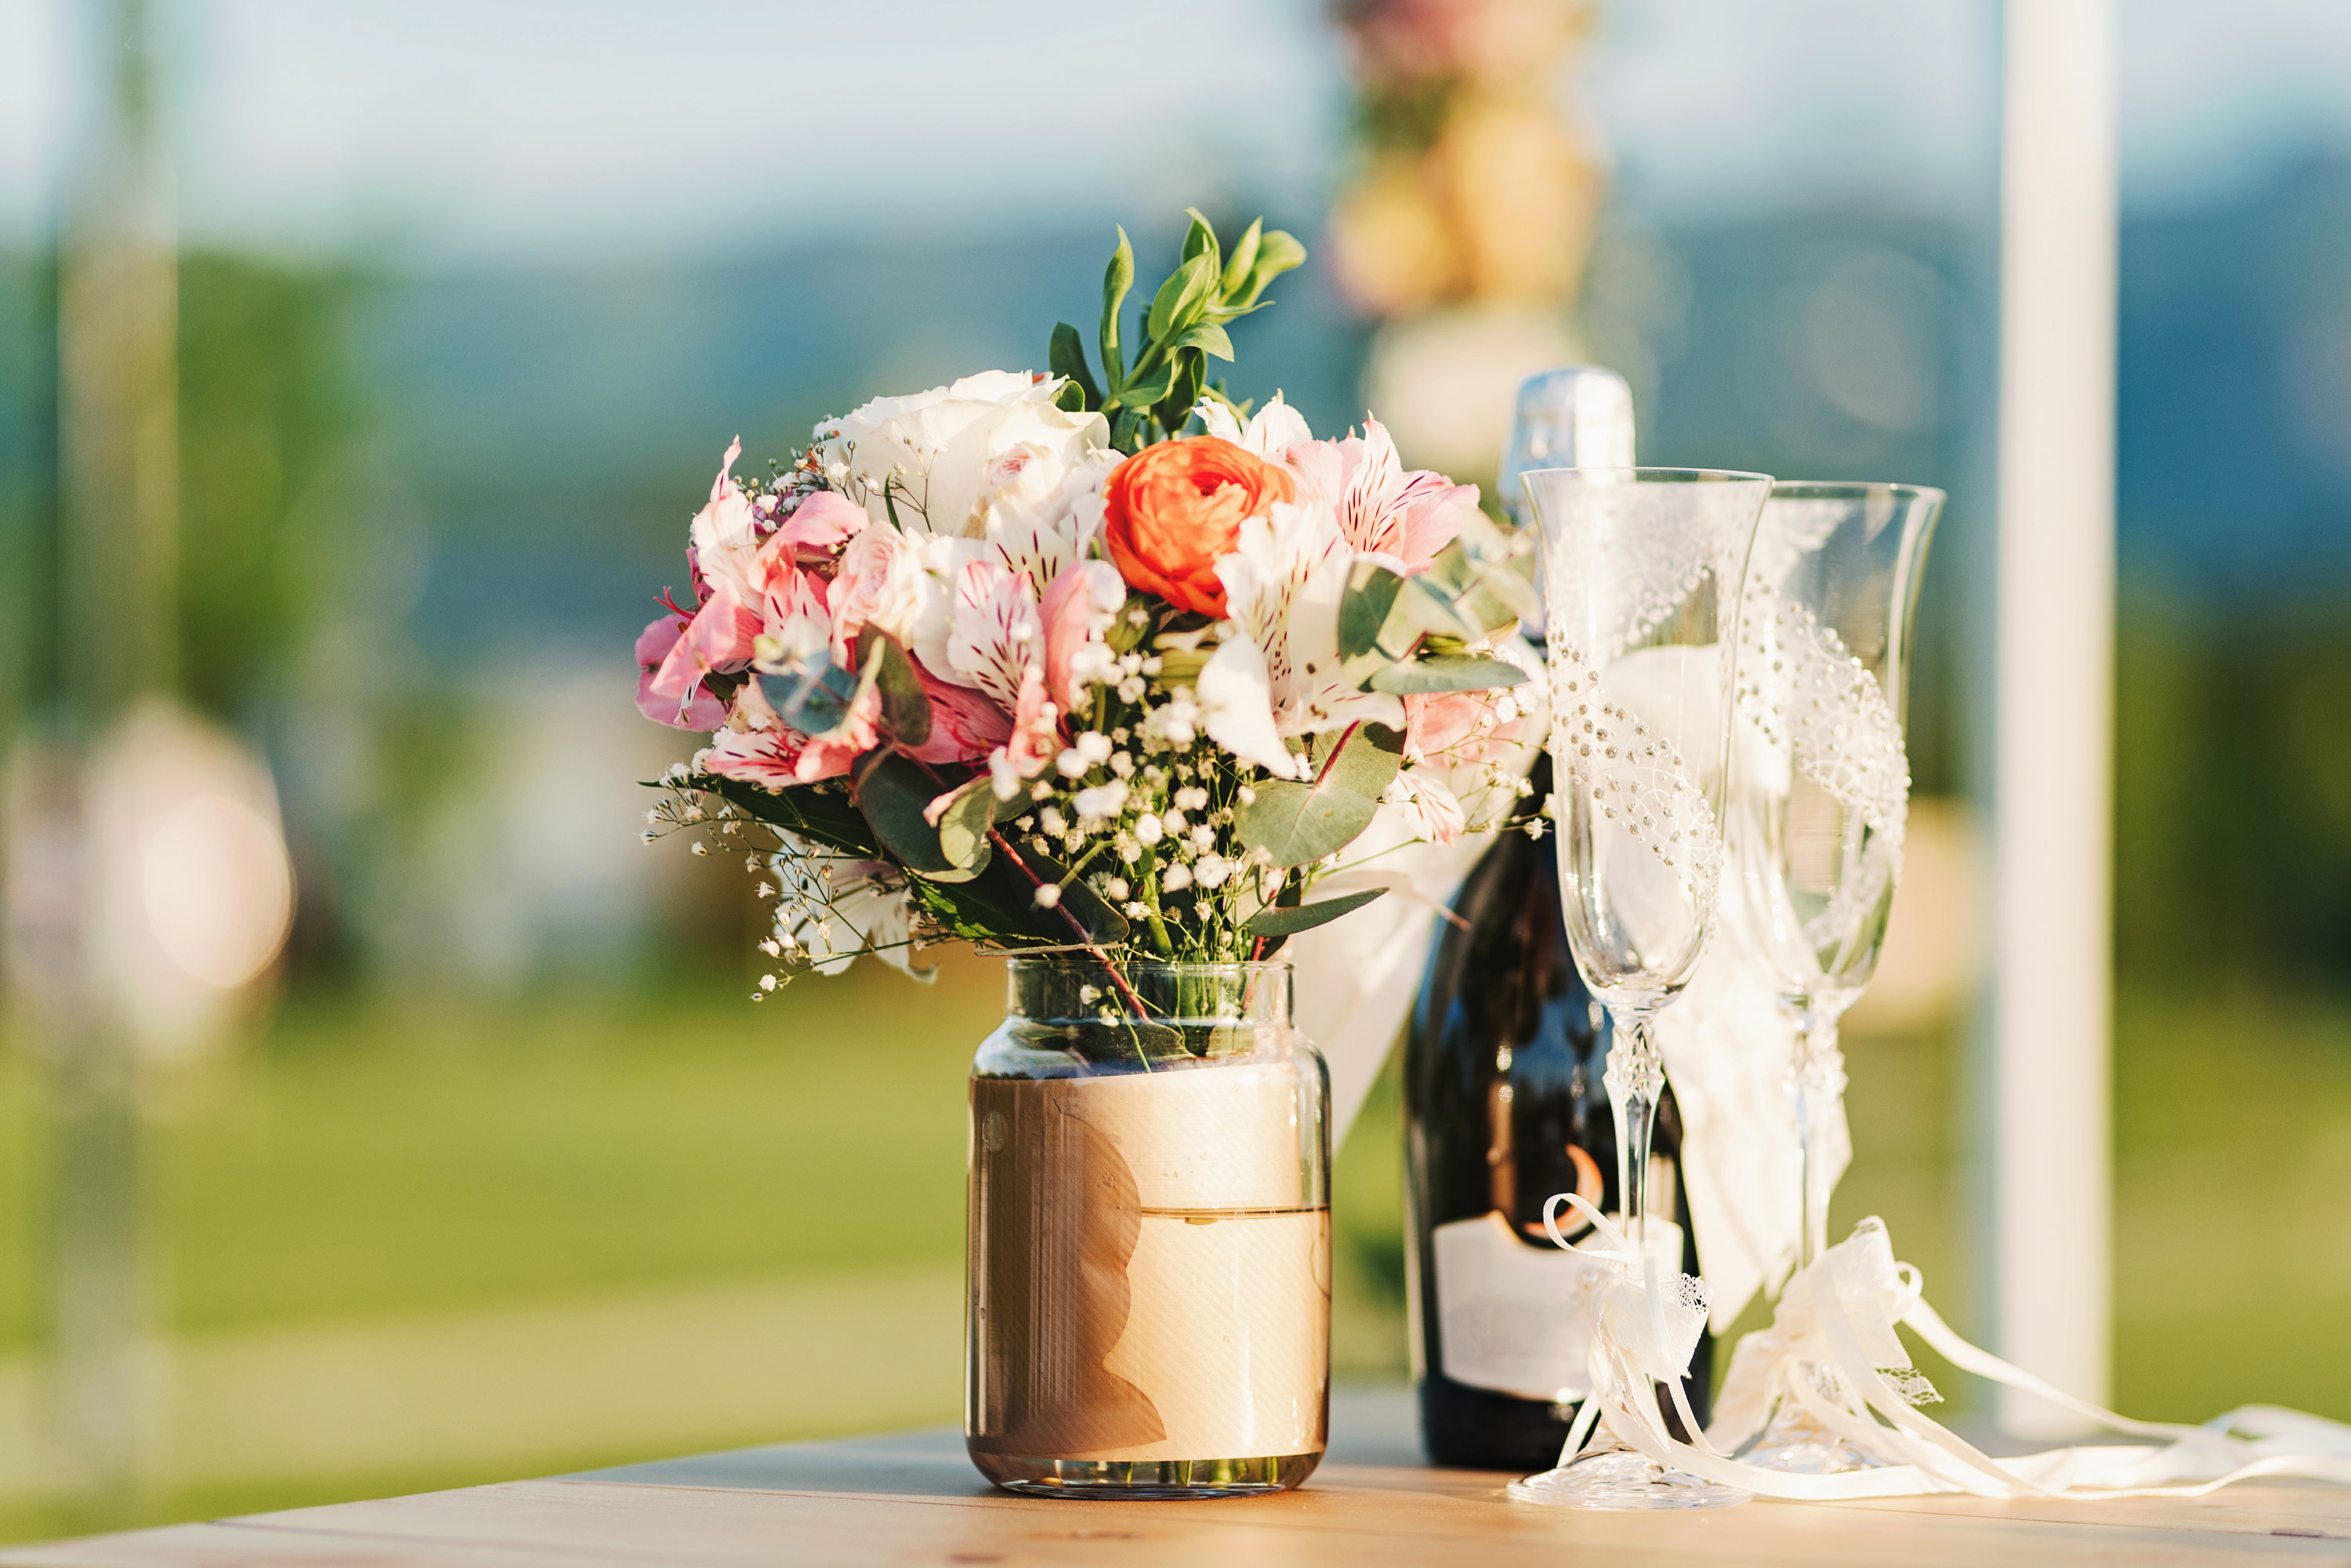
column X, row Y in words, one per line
column 1620, row 1479
column 1795, row 1445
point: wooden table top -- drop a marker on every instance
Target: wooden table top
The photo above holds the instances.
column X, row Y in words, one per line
column 913, row 1499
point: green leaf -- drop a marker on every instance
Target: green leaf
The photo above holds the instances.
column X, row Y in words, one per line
column 1103, row 923
column 1183, row 392
column 1180, row 298
column 1126, row 431
column 1133, row 622
column 1363, row 609
column 905, row 710
column 1447, row 672
column 1067, row 356
column 1504, row 565
column 1297, row 823
column 1116, row 280
column 1206, row 336
column 1276, row 254
column 1307, row 917
column 965, row 825
column 893, row 791
column 1244, row 257
column 1200, row 239
column 817, row 811
column 1144, row 393
column 1430, row 602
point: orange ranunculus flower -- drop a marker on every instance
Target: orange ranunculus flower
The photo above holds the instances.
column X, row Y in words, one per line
column 1172, row 510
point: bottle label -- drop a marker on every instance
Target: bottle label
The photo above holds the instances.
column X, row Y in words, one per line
column 1511, row 1317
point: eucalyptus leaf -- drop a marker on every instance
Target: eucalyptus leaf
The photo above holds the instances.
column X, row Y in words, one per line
column 1307, row 917
column 964, row 826
column 1427, row 604
column 891, row 791
column 815, row 697
column 905, row 709
column 1447, row 672
column 1363, row 608
column 1298, row 823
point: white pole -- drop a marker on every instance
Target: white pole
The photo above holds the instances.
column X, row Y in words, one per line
column 2053, row 1178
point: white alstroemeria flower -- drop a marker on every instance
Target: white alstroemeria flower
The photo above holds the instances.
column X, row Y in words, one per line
column 1428, row 811
column 995, row 634
column 724, row 535
column 1269, row 432
column 836, row 906
column 1279, row 673
column 937, row 460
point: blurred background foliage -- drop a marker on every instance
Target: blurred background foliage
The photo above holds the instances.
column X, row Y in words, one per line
column 499, row 1172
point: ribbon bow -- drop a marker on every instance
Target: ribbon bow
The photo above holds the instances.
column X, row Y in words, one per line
column 1831, row 1348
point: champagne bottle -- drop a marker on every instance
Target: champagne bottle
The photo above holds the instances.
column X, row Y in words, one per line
column 1504, row 1104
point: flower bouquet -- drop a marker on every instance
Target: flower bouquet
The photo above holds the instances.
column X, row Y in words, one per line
column 1098, row 660
column 1103, row 670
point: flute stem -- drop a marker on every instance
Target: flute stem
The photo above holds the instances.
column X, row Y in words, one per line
column 1635, row 1076
column 1815, row 1082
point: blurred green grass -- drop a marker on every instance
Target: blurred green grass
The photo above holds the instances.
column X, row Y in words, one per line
column 413, row 1181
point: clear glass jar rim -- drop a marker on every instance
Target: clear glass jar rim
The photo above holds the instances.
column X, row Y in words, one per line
column 1656, row 475
column 1075, row 961
column 1852, row 490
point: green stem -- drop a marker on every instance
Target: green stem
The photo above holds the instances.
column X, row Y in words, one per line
column 1159, row 937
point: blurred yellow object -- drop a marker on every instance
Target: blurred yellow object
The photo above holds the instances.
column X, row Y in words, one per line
column 1389, row 240
column 1523, row 197
column 1474, row 190
column 1467, row 227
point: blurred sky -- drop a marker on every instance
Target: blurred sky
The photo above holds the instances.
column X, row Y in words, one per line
column 530, row 129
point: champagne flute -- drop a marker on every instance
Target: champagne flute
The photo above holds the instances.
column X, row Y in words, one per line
column 1821, row 800
column 1641, row 569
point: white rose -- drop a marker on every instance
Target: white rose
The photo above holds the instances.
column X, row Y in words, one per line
column 1038, row 513
column 938, row 458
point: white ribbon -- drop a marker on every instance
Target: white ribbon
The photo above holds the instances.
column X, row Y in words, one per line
column 1833, row 1350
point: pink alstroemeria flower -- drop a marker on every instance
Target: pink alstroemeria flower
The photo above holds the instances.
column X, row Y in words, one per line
column 760, row 748
column 1035, row 740
column 1078, row 607
column 964, row 724
column 1406, row 517
column 716, row 640
column 820, row 523
column 1432, row 812
column 1437, row 724
column 667, row 696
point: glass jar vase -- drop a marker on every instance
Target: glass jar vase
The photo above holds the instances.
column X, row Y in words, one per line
column 1148, row 1258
